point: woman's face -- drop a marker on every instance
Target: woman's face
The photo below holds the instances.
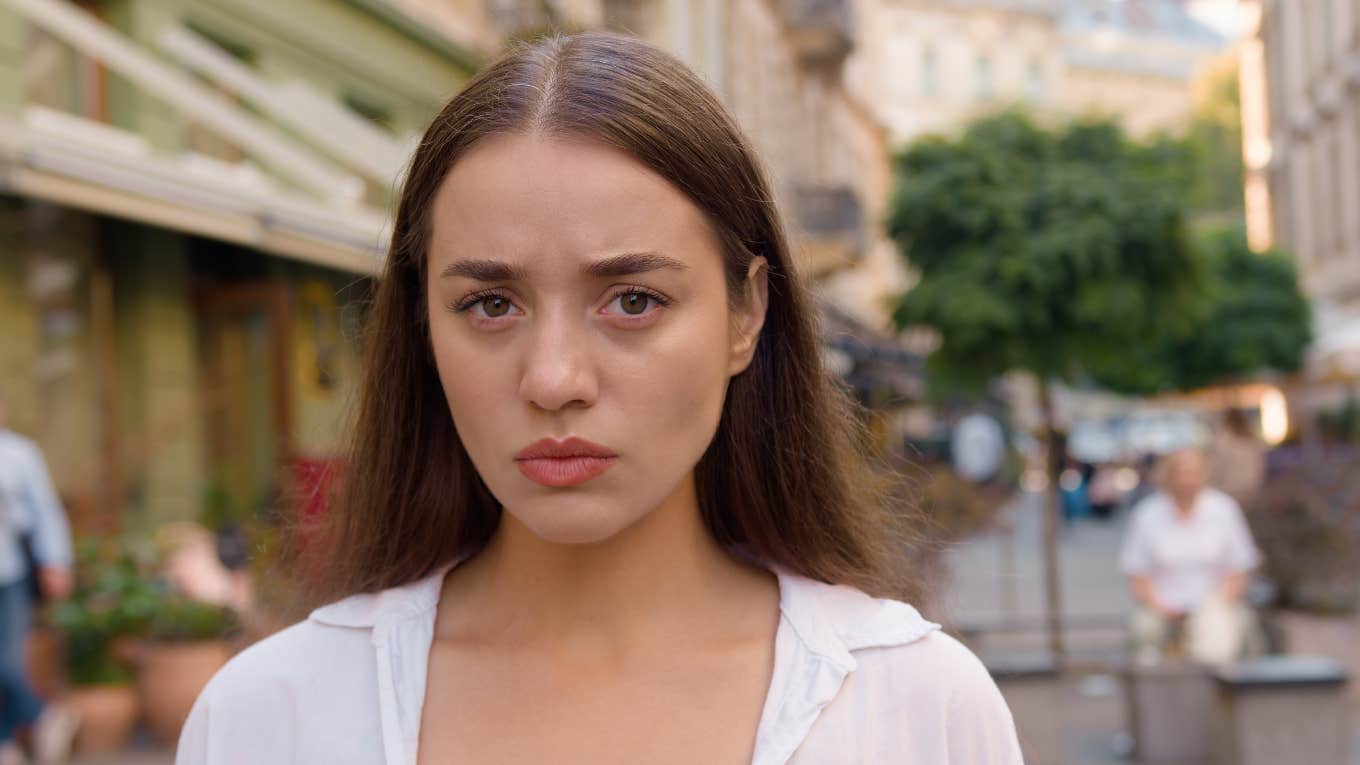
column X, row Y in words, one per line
column 581, row 329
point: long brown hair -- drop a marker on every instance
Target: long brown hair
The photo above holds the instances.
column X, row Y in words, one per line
column 785, row 478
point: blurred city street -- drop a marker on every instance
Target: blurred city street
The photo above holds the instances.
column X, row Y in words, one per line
column 1047, row 243
column 994, row 597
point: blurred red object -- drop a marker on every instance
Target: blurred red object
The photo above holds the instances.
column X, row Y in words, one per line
column 313, row 483
column 313, row 479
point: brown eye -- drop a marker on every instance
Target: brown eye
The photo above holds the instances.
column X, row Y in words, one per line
column 634, row 303
column 495, row 306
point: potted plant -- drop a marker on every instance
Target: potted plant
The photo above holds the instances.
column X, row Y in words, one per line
column 186, row 643
column 110, row 605
column 1307, row 523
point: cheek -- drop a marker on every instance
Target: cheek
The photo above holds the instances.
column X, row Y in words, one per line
column 470, row 384
column 675, row 389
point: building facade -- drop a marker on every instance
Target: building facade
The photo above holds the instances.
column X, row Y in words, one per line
column 1301, row 146
column 193, row 195
column 932, row 65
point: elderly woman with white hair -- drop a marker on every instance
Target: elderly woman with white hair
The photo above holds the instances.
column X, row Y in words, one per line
column 1188, row 554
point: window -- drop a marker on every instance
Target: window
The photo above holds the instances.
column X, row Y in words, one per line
column 1034, row 79
column 930, row 71
column 983, row 85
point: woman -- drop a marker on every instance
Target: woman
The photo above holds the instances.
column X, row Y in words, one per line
column 603, row 503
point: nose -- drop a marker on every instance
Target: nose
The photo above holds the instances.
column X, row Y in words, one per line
column 558, row 371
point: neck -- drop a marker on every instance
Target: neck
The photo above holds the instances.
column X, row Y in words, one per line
column 1185, row 504
column 657, row 578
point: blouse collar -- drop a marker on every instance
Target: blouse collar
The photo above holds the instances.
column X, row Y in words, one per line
column 821, row 625
column 830, row 620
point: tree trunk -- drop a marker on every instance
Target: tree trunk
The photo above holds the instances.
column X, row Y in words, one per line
column 1052, row 517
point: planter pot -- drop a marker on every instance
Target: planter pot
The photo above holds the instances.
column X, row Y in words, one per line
column 108, row 714
column 1332, row 636
column 45, row 660
column 169, row 678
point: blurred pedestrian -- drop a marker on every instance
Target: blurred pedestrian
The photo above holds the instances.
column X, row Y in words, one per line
column 1188, row 554
column 977, row 448
column 35, row 553
column 1238, row 457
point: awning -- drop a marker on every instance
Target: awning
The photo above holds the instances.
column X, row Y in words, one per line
column 868, row 361
column 67, row 160
column 345, row 137
column 208, row 108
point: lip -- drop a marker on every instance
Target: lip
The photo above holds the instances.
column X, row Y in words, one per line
column 563, row 463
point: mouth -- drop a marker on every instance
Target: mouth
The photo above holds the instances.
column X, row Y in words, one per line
column 560, row 464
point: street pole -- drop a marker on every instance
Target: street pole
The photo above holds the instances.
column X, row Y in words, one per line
column 1052, row 515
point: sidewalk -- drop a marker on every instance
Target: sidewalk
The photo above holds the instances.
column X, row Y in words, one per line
column 994, row 596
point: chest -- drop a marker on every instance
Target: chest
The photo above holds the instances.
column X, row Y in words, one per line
column 686, row 707
column 1187, row 544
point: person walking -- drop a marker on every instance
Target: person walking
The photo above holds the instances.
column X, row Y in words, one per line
column 30, row 517
column 1238, row 458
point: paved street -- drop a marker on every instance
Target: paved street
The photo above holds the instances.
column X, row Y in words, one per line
column 994, row 594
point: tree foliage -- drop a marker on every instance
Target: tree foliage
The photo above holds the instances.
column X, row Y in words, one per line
column 1065, row 252
column 1255, row 319
column 1051, row 251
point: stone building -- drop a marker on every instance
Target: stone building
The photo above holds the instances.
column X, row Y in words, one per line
column 1301, row 145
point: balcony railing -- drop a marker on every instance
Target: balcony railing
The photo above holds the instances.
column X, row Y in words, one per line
column 830, row 220
column 822, row 30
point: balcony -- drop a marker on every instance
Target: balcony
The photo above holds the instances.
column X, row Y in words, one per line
column 822, row 30
column 829, row 220
column 521, row 18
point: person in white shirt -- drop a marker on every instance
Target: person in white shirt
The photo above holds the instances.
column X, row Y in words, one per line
column 1188, row 554
column 603, row 504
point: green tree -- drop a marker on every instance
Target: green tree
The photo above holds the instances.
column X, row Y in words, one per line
column 1255, row 319
column 1053, row 251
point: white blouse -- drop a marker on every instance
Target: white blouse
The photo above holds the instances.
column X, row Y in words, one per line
column 856, row 680
column 1188, row 557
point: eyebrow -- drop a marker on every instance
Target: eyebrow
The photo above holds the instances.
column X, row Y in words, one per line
column 633, row 263
column 484, row 270
column 625, row 264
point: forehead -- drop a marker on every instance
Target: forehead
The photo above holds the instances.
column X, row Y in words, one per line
column 526, row 197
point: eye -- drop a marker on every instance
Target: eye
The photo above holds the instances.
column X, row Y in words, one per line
column 636, row 301
column 485, row 305
column 495, row 306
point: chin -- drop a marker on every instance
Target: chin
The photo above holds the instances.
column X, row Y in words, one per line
column 574, row 520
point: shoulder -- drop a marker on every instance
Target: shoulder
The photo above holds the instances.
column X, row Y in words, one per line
column 288, row 670
column 1149, row 510
column 930, row 700
column 262, row 706
column 890, row 649
column 18, row 444
column 936, row 668
column 1222, row 503
column 289, row 656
